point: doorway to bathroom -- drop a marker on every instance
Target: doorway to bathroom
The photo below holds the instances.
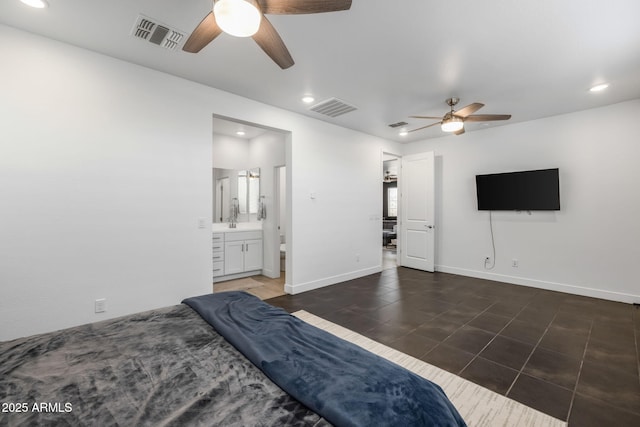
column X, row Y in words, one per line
column 246, row 209
column 390, row 210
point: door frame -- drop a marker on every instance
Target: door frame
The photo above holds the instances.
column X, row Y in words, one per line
column 398, row 157
column 278, row 195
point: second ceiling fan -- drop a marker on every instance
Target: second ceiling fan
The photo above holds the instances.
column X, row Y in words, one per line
column 453, row 121
column 245, row 18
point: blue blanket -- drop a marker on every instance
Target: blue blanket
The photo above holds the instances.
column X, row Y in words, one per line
column 344, row 383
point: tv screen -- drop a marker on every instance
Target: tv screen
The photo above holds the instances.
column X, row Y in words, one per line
column 536, row 190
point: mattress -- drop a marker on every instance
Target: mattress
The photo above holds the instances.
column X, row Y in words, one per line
column 162, row 367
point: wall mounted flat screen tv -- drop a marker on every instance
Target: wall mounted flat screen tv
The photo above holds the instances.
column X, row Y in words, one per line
column 535, row 190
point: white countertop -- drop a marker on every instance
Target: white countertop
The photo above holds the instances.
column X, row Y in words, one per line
column 223, row 227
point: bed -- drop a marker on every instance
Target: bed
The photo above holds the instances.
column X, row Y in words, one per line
column 219, row 359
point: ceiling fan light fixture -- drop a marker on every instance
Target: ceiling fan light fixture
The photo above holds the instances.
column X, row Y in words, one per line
column 240, row 18
column 452, row 124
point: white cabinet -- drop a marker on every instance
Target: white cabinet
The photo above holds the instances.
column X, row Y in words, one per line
column 253, row 255
column 242, row 252
column 237, row 254
column 218, row 254
column 234, row 259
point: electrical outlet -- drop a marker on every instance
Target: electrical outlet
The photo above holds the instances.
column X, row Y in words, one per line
column 101, row 305
column 514, row 263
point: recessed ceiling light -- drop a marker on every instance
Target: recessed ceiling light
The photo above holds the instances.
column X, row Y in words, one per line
column 308, row 99
column 403, row 133
column 600, row 87
column 39, row 4
column 240, row 133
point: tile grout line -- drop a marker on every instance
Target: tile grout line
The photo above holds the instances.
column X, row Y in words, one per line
column 520, row 371
column 575, row 387
column 461, row 326
column 492, row 339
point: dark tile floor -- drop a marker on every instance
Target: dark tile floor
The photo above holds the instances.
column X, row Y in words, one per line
column 572, row 357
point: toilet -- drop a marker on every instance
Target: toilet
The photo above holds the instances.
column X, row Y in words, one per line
column 283, row 252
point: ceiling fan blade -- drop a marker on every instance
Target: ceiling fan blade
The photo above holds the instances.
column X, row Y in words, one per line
column 469, row 109
column 459, row 132
column 295, row 7
column 424, row 127
column 487, row 117
column 269, row 40
column 426, row 117
column 205, row 32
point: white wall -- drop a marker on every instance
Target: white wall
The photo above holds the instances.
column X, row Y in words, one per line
column 268, row 151
column 102, row 183
column 230, row 152
column 335, row 224
column 590, row 246
column 105, row 169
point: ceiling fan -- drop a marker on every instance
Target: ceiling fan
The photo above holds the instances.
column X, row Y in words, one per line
column 245, row 18
column 453, row 121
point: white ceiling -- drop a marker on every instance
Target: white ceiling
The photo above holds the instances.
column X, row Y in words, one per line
column 230, row 127
column 530, row 59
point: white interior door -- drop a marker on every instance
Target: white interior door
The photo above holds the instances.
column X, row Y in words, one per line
column 417, row 213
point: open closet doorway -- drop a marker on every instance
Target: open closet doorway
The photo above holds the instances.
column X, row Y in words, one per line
column 390, row 210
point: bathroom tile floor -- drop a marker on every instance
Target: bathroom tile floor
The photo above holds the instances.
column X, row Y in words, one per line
column 572, row 357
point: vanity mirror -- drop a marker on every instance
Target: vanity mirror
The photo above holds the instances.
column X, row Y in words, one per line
column 243, row 185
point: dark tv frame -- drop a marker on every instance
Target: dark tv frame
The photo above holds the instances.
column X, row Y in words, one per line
column 531, row 190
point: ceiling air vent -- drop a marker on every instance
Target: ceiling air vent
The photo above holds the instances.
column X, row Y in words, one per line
column 159, row 34
column 333, row 107
column 398, row 124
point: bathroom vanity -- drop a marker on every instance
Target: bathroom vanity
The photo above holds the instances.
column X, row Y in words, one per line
column 237, row 252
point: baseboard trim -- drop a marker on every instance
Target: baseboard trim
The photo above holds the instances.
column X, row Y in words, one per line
column 236, row 276
column 535, row 283
column 327, row 281
column 270, row 273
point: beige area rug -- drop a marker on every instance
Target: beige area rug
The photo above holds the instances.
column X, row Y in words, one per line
column 480, row 407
